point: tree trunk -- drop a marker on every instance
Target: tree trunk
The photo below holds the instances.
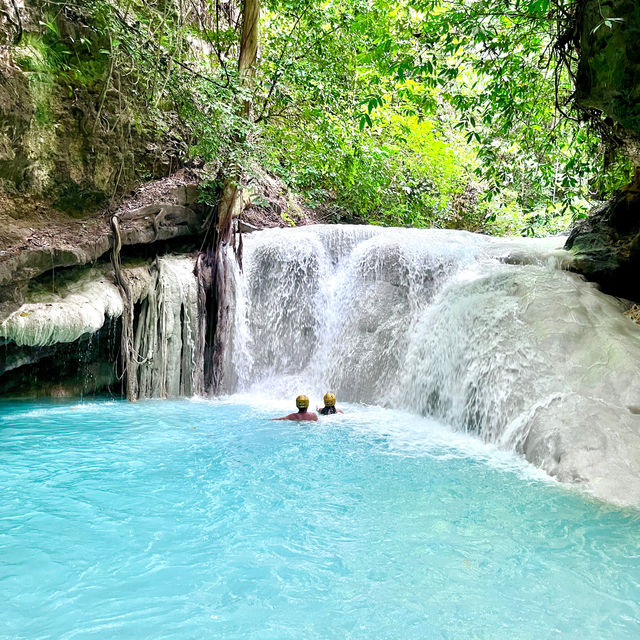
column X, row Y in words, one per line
column 212, row 266
column 231, row 202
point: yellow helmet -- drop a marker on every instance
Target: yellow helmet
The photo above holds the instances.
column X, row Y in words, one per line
column 302, row 402
column 329, row 399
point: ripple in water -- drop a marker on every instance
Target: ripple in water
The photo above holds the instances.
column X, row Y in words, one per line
column 195, row 519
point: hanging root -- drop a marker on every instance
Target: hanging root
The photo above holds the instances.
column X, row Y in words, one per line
column 127, row 350
column 212, row 271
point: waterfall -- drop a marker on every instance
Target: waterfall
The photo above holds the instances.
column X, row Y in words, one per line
column 167, row 340
column 490, row 336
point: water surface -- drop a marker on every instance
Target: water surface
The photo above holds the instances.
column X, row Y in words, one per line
column 194, row 519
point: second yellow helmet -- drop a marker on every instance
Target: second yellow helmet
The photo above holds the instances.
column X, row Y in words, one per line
column 329, row 399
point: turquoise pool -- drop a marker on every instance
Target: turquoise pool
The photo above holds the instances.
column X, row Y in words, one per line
column 194, row 519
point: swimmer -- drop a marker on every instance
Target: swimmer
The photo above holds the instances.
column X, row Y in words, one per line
column 329, row 405
column 302, row 402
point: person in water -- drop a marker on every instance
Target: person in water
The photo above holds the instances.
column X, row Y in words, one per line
column 302, row 402
column 329, row 405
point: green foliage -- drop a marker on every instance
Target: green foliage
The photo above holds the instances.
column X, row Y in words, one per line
column 451, row 113
column 352, row 138
column 42, row 58
column 352, row 84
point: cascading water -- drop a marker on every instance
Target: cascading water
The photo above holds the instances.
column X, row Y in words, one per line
column 490, row 336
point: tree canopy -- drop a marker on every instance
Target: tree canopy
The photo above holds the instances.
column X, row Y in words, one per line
column 453, row 113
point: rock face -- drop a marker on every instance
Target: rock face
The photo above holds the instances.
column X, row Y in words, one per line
column 606, row 245
column 65, row 243
column 66, row 338
column 74, row 137
column 76, row 308
column 608, row 76
column 60, row 307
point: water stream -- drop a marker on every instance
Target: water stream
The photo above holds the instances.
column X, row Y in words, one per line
column 192, row 519
column 413, row 515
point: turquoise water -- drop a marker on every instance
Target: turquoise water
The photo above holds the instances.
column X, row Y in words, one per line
column 195, row 519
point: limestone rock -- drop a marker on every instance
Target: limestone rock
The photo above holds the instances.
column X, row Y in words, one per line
column 81, row 307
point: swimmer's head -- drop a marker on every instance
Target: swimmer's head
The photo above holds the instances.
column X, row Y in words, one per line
column 329, row 399
column 302, row 402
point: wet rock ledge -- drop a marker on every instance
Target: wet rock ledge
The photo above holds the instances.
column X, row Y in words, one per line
column 60, row 307
column 146, row 228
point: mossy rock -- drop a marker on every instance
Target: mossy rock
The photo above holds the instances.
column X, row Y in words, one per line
column 606, row 246
column 608, row 76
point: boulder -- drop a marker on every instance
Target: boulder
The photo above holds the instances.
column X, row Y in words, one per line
column 606, row 245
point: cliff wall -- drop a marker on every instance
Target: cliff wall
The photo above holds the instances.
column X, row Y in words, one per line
column 607, row 244
column 76, row 124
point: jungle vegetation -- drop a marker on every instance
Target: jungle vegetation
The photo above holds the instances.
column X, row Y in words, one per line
column 449, row 113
